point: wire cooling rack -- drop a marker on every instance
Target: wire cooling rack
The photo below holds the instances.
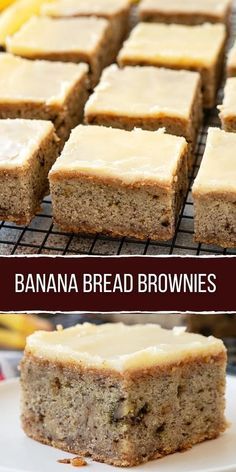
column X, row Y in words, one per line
column 42, row 236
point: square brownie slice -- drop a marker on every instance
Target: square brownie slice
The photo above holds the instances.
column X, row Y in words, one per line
column 186, row 12
column 149, row 98
column 115, row 11
column 214, row 191
column 199, row 48
column 122, row 394
column 28, row 149
column 228, row 108
column 86, row 40
column 120, row 183
column 43, row 90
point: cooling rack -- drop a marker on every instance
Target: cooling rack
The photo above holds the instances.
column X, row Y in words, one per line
column 42, row 236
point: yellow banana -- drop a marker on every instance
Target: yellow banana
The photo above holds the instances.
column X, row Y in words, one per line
column 5, row 4
column 13, row 17
column 11, row 339
column 24, row 324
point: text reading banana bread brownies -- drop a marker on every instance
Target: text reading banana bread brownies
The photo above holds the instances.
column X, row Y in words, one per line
column 116, row 283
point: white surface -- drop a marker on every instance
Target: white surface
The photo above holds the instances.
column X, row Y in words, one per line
column 21, row 454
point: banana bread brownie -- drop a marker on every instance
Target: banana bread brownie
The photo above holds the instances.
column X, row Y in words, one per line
column 123, row 394
column 28, row 148
column 115, row 11
column 122, row 183
column 199, row 48
column 43, row 90
column 228, row 108
column 214, row 191
column 67, row 40
column 186, row 12
column 149, row 98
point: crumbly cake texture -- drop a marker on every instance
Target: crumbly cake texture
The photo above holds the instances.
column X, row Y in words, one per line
column 43, row 90
column 120, row 183
column 116, row 12
column 86, row 40
column 214, row 191
column 28, row 148
column 198, row 48
column 122, row 394
column 149, row 98
column 188, row 12
column 228, row 108
column 231, row 62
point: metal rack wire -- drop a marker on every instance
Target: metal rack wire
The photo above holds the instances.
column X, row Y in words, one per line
column 43, row 237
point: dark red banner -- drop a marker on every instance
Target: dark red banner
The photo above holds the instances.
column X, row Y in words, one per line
column 113, row 284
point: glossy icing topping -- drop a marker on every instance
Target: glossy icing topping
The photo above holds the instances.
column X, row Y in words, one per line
column 144, row 92
column 121, row 347
column 37, row 81
column 177, row 45
column 228, row 108
column 232, row 56
column 44, row 35
column 217, row 7
column 19, row 139
column 128, row 156
column 104, row 8
column 217, row 171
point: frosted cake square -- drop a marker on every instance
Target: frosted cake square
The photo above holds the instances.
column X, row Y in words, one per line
column 198, row 48
column 121, row 183
column 214, row 191
column 123, row 394
column 28, row 149
column 43, row 90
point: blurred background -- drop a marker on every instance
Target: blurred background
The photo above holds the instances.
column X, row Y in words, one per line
column 14, row 330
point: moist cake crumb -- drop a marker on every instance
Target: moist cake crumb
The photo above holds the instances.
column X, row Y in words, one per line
column 76, row 461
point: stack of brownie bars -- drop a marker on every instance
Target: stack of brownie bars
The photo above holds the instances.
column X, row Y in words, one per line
column 131, row 104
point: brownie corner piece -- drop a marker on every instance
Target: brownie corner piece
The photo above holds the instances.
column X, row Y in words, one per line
column 114, row 182
column 28, row 150
column 126, row 404
column 214, row 191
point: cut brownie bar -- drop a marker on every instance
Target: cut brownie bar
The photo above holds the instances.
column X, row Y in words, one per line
column 28, row 148
column 43, row 90
column 214, row 191
column 231, row 62
column 123, row 394
column 67, row 40
column 186, row 12
column 115, row 11
column 199, row 48
column 228, row 108
column 149, row 98
column 121, row 183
